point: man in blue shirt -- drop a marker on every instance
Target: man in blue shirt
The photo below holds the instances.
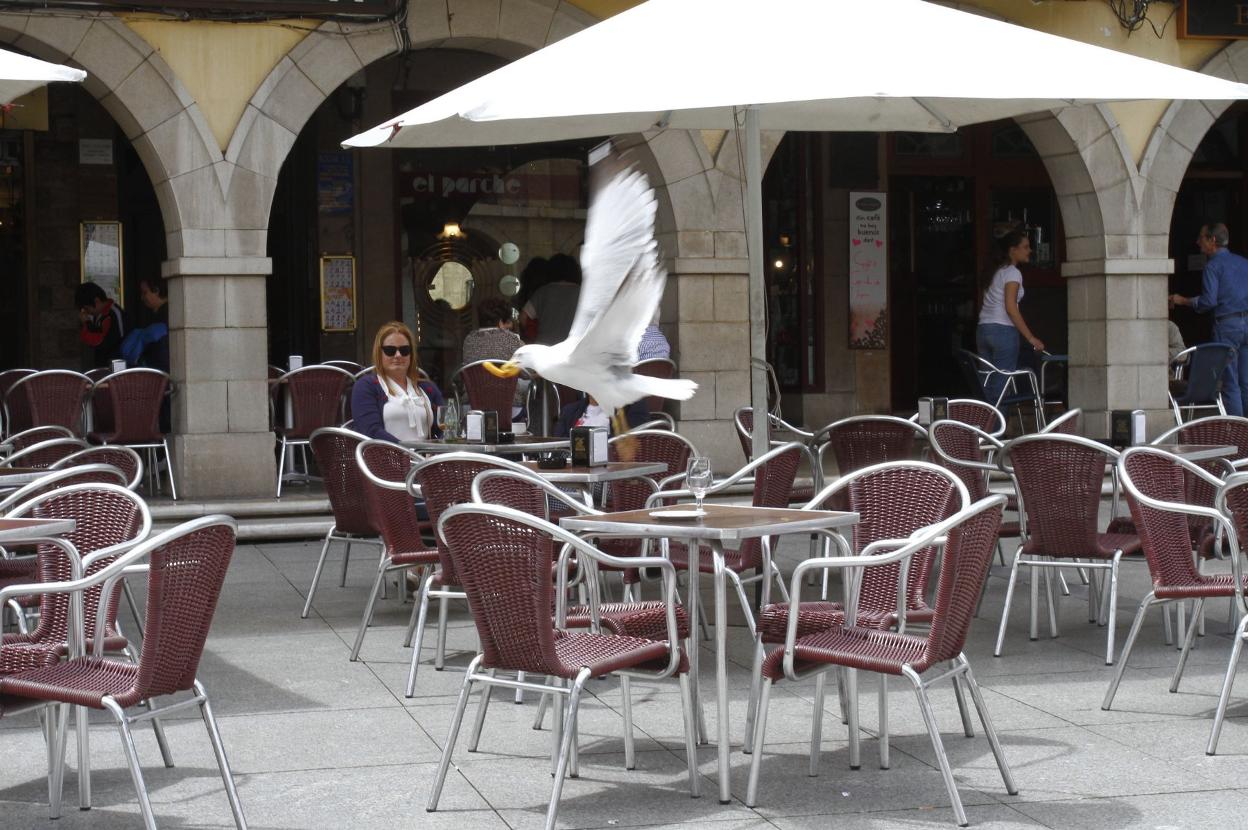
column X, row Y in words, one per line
column 1224, row 291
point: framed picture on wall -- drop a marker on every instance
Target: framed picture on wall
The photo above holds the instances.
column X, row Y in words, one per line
column 338, row 293
column 100, row 255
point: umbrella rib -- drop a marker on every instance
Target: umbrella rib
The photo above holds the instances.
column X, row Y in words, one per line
column 937, row 114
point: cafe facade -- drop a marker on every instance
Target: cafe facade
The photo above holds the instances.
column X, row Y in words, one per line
column 225, row 175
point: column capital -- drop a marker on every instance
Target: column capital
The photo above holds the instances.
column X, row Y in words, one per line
column 1105, row 267
column 216, row 266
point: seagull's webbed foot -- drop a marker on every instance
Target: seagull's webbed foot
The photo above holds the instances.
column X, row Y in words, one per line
column 626, row 449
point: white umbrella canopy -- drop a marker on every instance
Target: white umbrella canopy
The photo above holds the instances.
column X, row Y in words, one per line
column 20, row 75
column 818, row 65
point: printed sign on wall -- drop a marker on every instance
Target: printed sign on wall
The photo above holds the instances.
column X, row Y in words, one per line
column 868, row 270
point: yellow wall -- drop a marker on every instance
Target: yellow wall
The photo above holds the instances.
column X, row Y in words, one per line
column 221, row 64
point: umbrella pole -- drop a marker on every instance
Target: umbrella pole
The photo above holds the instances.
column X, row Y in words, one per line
column 758, row 291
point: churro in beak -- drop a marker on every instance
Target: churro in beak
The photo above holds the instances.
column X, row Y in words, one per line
column 508, row 370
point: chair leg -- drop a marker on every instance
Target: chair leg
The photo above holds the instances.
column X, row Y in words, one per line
column 316, row 573
column 816, row 727
column 445, row 764
column 422, row 617
column 1136, row 625
column 934, row 733
column 439, row 655
column 367, row 619
column 543, row 701
column 756, row 680
column 630, row 751
column 486, row 693
column 54, row 720
column 1187, row 648
column 990, row 732
column 162, row 742
column 173, row 488
column 346, row 559
column 760, row 733
column 565, row 747
column 132, row 761
column 1050, row 575
column 883, row 717
column 422, row 574
column 84, row 756
column 851, row 691
column 1231, row 665
column 691, row 740
column 968, row 728
column 1009, row 598
column 1111, row 618
column 223, row 763
column 281, row 467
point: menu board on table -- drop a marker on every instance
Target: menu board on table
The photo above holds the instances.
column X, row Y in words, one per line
column 100, row 255
column 868, row 270
column 338, row 293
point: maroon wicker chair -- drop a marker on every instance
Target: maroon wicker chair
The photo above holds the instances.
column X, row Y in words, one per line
column 186, row 571
column 966, row 451
column 864, row 440
column 1058, row 479
column 35, row 435
column 53, row 397
column 976, row 413
column 7, row 378
column 316, row 394
column 502, row 558
column 115, row 455
column 484, row 391
column 964, row 567
column 45, row 453
column 334, row 451
column 57, row 479
column 1157, row 485
column 444, row 481
column 743, row 420
column 893, row 500
column 384, row 467
column 135, row 397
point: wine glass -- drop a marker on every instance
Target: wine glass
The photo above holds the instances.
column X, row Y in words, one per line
column 699, row 478
column 441, row 420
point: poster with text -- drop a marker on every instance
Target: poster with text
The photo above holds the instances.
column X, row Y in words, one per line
column 868, row 270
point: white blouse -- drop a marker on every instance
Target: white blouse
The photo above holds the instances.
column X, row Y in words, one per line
column 408, row 413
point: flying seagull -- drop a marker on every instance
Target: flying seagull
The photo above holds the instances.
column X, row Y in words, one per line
column 620, row 290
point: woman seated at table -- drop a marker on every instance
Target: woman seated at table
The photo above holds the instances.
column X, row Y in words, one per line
column 585, row 412
column 392, row 403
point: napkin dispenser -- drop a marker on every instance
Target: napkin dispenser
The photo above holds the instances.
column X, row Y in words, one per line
column 589, row 446
column 1127, row 427
column 474, row 425
column 932, row 410
column 489, row 426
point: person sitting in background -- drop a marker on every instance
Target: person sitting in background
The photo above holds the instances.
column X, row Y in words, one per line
column 102, row 323
column 149, row 346
column 654, row 343
column 585, row 412
column 392, row 403
column 1176, row 343
column 494, row 340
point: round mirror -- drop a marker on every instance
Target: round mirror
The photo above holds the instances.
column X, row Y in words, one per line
column 509, row 253
column 509, row 285
column 453, row 283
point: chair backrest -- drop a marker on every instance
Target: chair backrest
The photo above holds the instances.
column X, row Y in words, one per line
column 657, row 367
column 445, row 481
column 57, row 479
column 1059, row 480
column 963, row 568
column 45, row 453
column 893, row 500
column 187, row 568
column 959, row 448
column 53, row 397
column 390, row 510
column 1205, row 365
column 1156, row 487
column 346, row 365
column 863, row 440
column 114, row 455
column 7, row 378
column 106, row 516
column 1066, row 424
column 334, row 449
column 972, row 374
column 773, row 487
column 36, row 435
column 316, row 394
column 979, row 414
column 653, row 446
column 134, row 400
column 485, row 391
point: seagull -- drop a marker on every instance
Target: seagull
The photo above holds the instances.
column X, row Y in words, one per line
column 620, row 290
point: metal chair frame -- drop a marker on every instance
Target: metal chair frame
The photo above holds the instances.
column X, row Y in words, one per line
column 152, row 447
column 302, row 443
column 984, row 370
column 820, row 440
column 1059, row 424
column 960, row 670
column 25, row 438
column 1186, row 361
column 19, row 387
column 51, row 481
column 995, row 414
column 77, row 460
column 69, row 445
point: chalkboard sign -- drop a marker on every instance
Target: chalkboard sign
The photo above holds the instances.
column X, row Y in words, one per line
column 100, row 255
column 338, row 293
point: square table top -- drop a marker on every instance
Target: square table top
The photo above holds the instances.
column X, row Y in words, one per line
column 17, row 531
column 724, row 522
column 1197, row 452
column 18, row 476
column 611, row 471
column 522, row 444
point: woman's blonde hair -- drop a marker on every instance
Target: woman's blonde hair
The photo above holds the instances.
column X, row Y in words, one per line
column 395, row 327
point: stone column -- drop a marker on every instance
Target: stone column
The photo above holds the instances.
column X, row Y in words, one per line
column 219, row 354
column 1118, row 340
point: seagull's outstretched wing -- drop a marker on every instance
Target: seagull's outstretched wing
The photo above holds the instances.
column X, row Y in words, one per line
column 622, row 280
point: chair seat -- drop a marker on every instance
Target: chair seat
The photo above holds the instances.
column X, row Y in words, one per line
column 645, row 620
column 815, row 617
column 83, row 682
column 1106, row 545
column 856, row 648
column 600, row 653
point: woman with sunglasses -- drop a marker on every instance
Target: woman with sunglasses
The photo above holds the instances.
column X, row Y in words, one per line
column 392, row 403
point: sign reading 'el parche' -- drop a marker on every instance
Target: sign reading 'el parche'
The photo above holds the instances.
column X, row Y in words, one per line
column 1219, row 19
column 378, row 8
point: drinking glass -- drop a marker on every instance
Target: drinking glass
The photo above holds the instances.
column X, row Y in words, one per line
column 699, row 478
column 441, row 420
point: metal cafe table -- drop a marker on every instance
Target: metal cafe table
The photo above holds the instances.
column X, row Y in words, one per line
column 585, row 478
column 523, row 444
column 1197, row 452
column 720, row 524
column 12, row 478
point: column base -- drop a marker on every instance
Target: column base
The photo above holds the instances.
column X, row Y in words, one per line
column 225, row 465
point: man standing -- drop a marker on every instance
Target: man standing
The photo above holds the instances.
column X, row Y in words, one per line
column 1224, row 291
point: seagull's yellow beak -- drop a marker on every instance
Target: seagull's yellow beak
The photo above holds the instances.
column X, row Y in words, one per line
column 508, row 370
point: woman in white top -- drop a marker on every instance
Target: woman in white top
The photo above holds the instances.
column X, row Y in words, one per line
column 1000, row 321
column 389, row 403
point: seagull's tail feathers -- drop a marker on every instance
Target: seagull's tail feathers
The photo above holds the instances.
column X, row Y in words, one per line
column 678, row 389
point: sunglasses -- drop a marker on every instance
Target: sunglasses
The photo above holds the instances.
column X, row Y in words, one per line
column 391, row 351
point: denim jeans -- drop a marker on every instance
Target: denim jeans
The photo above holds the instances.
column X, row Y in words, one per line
column 998, row 345
column 1234, row 330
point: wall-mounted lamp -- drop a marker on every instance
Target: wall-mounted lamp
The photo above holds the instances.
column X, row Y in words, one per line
column 451, row 230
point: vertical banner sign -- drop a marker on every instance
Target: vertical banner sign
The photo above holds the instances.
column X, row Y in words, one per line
column 868, row 270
